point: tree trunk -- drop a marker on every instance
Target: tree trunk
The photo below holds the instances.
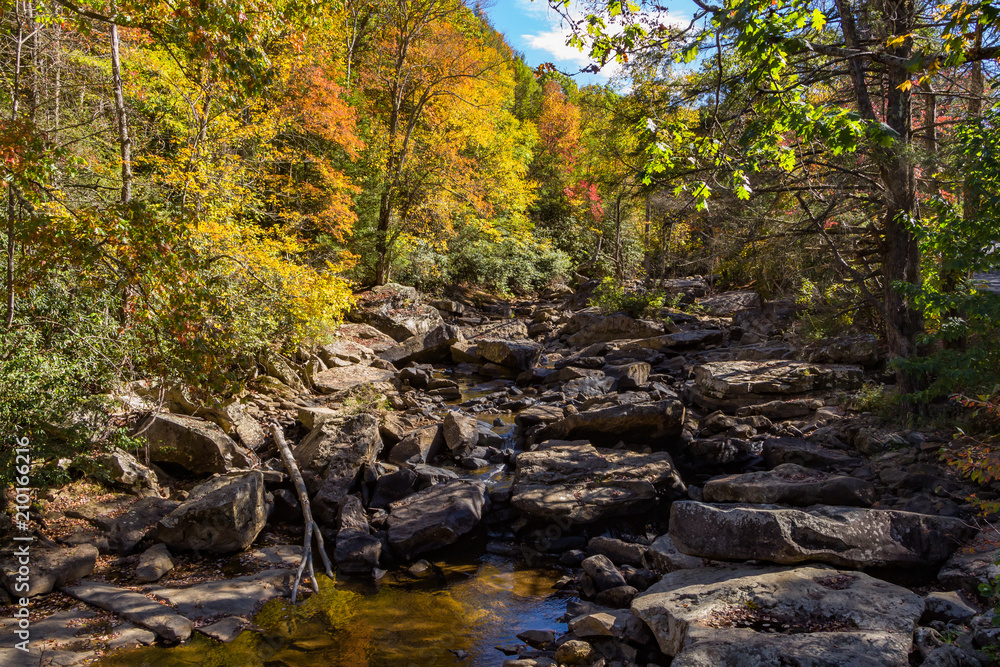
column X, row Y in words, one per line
column 11, row 197
column 124, row 143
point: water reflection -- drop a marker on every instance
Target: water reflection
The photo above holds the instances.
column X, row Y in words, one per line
column 470, row 607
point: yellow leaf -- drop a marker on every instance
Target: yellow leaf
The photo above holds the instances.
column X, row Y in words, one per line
column 906, row 85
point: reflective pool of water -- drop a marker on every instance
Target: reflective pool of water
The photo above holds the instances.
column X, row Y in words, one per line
column 470, row 607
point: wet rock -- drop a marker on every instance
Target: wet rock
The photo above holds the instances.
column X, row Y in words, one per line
column 590, row 326
column 126, row 531
column 419, row 446
column 357, row 550
column 790, row 484
column 225, row 630
column 537, row 638
column 241, row 596
column 49, row 568
column 733, row 384
column 518, row 355
column 436, row 517
column 334, row 380
column 431, row 346
column 395, row 310
column 337, row 454
column 778, row 451
column 823, row 617
column 153, row 564
column 727, row 303
column 662, row 556
column 646, row 424
column 847, row 536
column 199, row 446
column 137, row 608
column 430, row 475
column 222, row 515
column 579, row 484
column 461, row 432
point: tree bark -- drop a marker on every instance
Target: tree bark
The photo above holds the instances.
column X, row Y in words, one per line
column 11, row 197
column 124, row 142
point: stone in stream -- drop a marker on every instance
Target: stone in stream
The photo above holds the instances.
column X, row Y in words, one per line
column 225, row 630
column 436, row 517
column 357, row 550
column 577, row 483
column 135, row 607
column 431, row 346
column 461, row 432
column 198, row 446
column 241, row 596
column 728, row 385
column 395, row 310
column 153, row 564
column 846, row 536
column 591, row 326
column 790, row 484
column 644, row 424
column 418, row 446
column 778, row 451
column 602, row 572
column 49, row 568
column 338, row 454
column 806, row 616
column 223, row 515
column 519, row 355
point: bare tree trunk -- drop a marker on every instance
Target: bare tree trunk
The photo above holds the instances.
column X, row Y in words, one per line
column 11, row 197
column 124, row 142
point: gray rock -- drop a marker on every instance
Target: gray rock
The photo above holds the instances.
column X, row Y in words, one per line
column 704, row 616
column 419, row 446
column 436, row 517
column 199, row 446
column 646, row 424
column 778, row 451
column 579, row 484
column 629, row 376
column 947, row 606
column 461, row 432
column 620, row 552
column 539, row 414
column 336, row 380
column 225, row 630
column 137, row 608
column 394, row 486
column 430, row 346
column 241, row 596
column 337, row 455
column 519, row 355
column 313, row 418
column 222, row 515
column 357, row 550
column 682, row 340
column 153, row 564
column 140, row 522
column 662, row 556
column 782, row 410
column 733, row 384
column 590, row 326
column 951, row 656
column 848, row 536
column 603, row 572
column 120, row 468
column 974, row 563
column 279, row 367
column 395, row 310
column 790, row 484
column 49, row 568
column 727, row 303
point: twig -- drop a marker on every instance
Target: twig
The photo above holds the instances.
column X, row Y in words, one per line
column 300, row 488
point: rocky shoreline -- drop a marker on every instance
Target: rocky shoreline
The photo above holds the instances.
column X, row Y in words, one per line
column 698, row 475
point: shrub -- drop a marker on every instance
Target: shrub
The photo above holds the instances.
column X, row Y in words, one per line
column 612, row 297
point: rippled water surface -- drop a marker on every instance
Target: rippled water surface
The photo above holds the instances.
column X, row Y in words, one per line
column 470, row 607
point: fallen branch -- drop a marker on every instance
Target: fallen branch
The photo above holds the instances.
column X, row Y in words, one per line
column 311, row 527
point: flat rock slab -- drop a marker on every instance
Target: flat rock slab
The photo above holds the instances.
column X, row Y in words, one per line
column 727, row 303
column 137, row 608
column 225, row 630
column 847, row 536
column 12, row 657
column 230, row 597
column 682, row 340
column 591, row 326
column 578, row 483
column 63, row 629
column 50, row 568
column 790, row 484
column 338, row 379
column 778, row 451
column 643, row 423
column 734, row 384
column 819, row 615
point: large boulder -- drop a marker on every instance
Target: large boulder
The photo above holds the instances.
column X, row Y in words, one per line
column 340, row 379
column 974, row 564
column 790, row 484
column 357, row 551
column 430, row 346
column 727, row 303
column 733, row 384
column 418, row 446
column 681, row 340
column 139, row 522
column 223, row 515
column 591, row 326
column 34, row 570
column 520, row 355
column 846, row 536
column 644, row 423
column 120, row 468
column 779, row 451
column 461, row 432
column 336, row 454
column 436, row 517
column 577, row 483
column 198, row 446
column 395, row 310
column 806, row 616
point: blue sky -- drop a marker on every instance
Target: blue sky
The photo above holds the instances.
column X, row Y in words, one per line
column 537, row 31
